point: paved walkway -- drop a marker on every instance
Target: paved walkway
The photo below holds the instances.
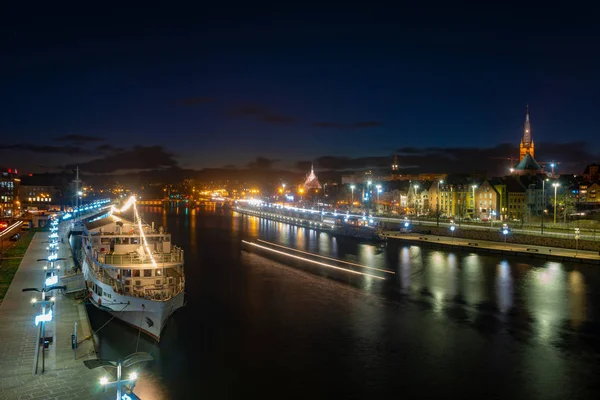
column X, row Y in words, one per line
column 64, row 377
column 592, row 257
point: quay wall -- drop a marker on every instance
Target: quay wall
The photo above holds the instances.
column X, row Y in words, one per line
column 496, row 236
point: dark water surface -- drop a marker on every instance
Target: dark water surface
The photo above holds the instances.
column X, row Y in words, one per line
column 446, row 325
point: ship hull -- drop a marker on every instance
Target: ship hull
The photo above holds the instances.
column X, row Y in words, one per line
column 150, row 316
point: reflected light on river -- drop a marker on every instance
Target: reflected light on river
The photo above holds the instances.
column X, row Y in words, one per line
column 577, row 298
column 405, row 269
column 324, row 243
column 193, row 233
column 547, row 300
column 299, row 237
column 252, row 224
column 504, row 287
column 473, row 279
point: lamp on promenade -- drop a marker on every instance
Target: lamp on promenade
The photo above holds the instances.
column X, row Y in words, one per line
column 120, row 383
column 505, row 232
column 437, row 212
column 41, row 319
column 416, row 211
column 369, row 183
column 474, row 187
column 544, row 201
column 452, row 229
column 556, row 185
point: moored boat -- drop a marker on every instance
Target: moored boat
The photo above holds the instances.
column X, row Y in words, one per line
column 133, row 271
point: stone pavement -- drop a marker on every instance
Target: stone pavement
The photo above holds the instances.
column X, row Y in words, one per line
column 64, row 377
column 557, row 253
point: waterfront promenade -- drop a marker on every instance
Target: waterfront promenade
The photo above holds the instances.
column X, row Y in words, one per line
column 512, row 249
column 64, row 376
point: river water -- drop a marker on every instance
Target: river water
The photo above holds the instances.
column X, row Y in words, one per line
column 445, row 325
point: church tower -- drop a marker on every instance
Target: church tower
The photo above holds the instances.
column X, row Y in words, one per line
column 395, row 165
column 526, row 145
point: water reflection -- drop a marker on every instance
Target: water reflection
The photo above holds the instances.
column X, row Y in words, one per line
column 504, row 286
column 577, row 298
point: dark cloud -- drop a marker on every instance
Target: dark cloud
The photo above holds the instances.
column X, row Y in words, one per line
column 137, row 158
column 262, row 163
column 194, row 101
column 344, row 163
column 78, row 138
column 109, row 148
column 495, row 160
column 47, row 149
column 354, row 125
column 492, row 161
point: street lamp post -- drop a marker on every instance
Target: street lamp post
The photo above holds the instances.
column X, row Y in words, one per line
column 556, row 185
column 120, row 383
column 474, row 187
column 41, row 320
column 369, row 195
column 452, row 229
column 416, row 205
column 437, row 211
column 352, row 187
column 544, row 202
column 576, row 241
column 505, row 233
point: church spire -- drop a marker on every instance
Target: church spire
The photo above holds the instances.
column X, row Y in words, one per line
column 527, row 129
column 526, row 146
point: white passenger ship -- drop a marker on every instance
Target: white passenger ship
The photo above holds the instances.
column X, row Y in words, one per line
column 133, row 271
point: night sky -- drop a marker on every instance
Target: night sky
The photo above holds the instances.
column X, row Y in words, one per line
column 342, row 86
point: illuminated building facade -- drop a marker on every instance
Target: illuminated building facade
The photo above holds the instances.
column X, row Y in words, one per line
column 312, row 182
column 9, row 193
column 39, row 196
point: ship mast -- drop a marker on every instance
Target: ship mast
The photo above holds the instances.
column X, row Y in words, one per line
column 77, row 181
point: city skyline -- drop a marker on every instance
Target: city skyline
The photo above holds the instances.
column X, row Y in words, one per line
column 447, row 91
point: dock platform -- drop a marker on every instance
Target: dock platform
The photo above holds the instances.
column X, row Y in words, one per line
column 64, row 377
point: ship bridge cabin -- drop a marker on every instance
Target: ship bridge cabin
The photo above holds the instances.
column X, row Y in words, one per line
column 145, row 265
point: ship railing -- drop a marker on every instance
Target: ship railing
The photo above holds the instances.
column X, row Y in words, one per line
column 174, row 256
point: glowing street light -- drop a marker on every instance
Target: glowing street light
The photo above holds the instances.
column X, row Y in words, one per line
column 416, row 187
column 437, row 211
column 505, row 232
column 127, row 384
column 452, row 229
column 556, row 185
column 544, row 201
column 352, row 187
column 474, row 187
column 41, row 319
